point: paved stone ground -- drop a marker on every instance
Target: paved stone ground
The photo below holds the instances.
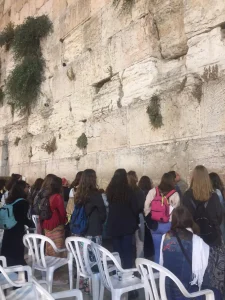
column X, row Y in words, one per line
column 62, row 274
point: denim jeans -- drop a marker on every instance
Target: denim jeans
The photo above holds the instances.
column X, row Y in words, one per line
column 124, row 246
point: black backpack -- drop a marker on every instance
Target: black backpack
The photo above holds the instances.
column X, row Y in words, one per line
column 41, row 206
column 208, row 231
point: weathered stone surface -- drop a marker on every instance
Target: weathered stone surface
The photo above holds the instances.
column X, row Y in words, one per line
column 103, row 65
column 169, row 17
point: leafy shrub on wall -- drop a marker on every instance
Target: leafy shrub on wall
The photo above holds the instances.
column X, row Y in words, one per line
column 82, row 141
column 24, row 82
column 154, row 112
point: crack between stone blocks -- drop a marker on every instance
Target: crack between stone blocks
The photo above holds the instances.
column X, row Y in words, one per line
column 120, row 91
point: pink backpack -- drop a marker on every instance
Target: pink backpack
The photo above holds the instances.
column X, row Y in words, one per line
column 160, row 207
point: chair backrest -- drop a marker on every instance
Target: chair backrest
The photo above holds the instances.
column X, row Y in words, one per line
column 36, row 245
column 3, row 261
column 35, row 219
column 80, row 249
column 147, row 268
column 107, row 264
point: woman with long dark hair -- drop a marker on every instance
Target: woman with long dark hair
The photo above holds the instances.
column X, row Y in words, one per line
column 205, row 207
column 166, row 194
column 145, row 184
column 140, row 196
column 9, row 184
column 36, row 187
column 186, row 255
column 122, row 219
column 88, row 195
column 54, row 227
column 12, row 244
column 218, row 187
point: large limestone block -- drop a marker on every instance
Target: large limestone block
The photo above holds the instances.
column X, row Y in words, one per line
column 202, row 15
column 73, row 45
column 75, row 15
column 136, row 81
column 134, row 43
column 213, row 107
column 107, row 131
column 169, row 16
column 130, row 159
column 38, row 149
column 19, row 154
column 62, row 167
column 31, row 171
column 96, row 5
column 105, row 167
column 108, row 97
column 209, row 152
column 59, row 6
column 62, row 86
column 88, row 161
column 164, row 157
column 36, row 123
column 178, row 121
column 204, row 50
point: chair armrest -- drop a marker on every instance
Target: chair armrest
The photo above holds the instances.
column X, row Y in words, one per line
column 3, row 260
column 19, row 269
column 208, row 293
column 130, row 270
column 68, row 294
column 61, row 250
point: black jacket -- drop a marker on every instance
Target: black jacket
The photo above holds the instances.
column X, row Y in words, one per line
column 123, row 217
column 12, row 244
column 213, row 208
column 96, row 212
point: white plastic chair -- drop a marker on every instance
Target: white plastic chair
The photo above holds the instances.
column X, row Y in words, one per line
column 18, row 277
column 80, row 248
column 123, row 281
column 146, row 268
column 36, row 244
column 32, row 290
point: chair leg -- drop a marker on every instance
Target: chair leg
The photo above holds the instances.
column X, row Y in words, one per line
column 78, row 281
column 116, row 295
column 95, row 286
column 70, row 267
column 49, row 279
column 102, row 289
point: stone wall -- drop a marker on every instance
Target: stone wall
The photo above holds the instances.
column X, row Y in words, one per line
column 120, row 59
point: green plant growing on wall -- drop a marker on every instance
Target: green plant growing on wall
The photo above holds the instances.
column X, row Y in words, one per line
column 82, row 141
column 24, row 82
column 2, row 96
column 50, row 146
column 154, row 112
column 17, row 140
column 7, row 36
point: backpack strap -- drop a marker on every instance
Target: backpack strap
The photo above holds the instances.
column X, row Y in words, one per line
column 170, row 194
column 182, row 248
column 157, row 191
column 18, row 200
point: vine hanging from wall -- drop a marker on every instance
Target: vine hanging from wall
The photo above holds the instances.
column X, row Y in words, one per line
column 24, row 82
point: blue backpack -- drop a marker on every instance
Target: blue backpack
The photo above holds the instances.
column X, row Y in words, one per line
column 79, row 220
column 7, row 218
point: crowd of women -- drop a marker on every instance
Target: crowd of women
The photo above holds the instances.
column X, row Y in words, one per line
column 190, row 243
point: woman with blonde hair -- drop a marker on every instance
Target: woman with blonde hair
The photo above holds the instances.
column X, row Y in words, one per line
column 205, row 207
